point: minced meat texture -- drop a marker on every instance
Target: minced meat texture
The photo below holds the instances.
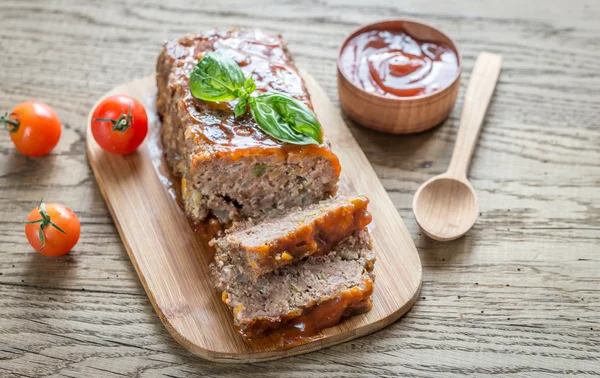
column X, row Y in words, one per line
column 228, row 166
column 257, row 248
column 344, row 277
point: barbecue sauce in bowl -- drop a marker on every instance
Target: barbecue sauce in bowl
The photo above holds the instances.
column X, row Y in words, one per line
column 392, row 63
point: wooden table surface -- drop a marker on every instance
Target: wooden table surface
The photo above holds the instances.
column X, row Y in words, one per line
column 519, row 295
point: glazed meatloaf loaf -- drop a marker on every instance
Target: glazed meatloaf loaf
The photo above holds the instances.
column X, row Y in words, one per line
column 256, row 248
column 304, row 297
column 228, row 166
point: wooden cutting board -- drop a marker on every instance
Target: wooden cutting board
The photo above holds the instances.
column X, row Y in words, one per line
column 172, row 261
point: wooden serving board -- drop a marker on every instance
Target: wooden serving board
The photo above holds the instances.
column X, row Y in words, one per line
column 172, row 260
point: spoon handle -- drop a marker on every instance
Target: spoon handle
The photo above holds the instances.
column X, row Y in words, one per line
column 479, row 93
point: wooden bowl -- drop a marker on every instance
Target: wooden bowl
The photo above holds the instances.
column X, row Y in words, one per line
column 399, row 115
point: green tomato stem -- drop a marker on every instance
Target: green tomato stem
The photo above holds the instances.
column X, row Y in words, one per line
column 120, row 124
column 12, row 125
column 44, row 222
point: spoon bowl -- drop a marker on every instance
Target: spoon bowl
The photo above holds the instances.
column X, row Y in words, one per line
column 445, row 208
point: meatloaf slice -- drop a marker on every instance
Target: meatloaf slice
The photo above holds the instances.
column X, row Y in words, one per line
column 304, row 297
column 228, row 166
column 259, row 248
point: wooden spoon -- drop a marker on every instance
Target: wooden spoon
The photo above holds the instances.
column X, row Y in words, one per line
column 446, row 206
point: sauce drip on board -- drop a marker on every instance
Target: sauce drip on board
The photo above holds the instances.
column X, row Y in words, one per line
column 394, row 64
column 209, row 228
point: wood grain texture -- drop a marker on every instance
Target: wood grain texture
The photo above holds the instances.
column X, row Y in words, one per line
column 172, row 260
column 530, row 263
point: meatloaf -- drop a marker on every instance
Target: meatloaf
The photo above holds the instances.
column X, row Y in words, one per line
column 229, row 167
column 256, row 248
column 304, row 297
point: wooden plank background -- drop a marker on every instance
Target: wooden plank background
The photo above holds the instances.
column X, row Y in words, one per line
column 519, row 295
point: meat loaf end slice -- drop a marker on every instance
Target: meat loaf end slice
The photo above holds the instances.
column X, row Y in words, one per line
column 260, row 248
column 316, row 293
column 228, row 166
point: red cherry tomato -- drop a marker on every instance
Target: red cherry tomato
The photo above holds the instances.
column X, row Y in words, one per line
column 34, row 128
column 120, row 124
column 52, row 229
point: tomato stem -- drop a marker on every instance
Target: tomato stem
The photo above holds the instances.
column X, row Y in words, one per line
column 120, row 124
column 11, row 124
column 44, row 222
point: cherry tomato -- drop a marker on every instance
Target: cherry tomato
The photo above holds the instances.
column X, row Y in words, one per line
column 120, row 124
column 52, row 229
column 34, row 128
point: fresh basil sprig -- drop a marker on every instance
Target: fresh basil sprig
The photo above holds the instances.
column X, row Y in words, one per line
column 286, row 118
column 218, row 78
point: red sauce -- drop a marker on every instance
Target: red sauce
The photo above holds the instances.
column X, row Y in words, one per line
column 261, row 56
column 394, row 64
column 308, row 326
column 301, row 329
column 315, row 236
column 214, row 129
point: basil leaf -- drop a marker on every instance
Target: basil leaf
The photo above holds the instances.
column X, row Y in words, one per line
column 240, row 107
column 286, row 119
column 217, row 78
column 249, row 85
